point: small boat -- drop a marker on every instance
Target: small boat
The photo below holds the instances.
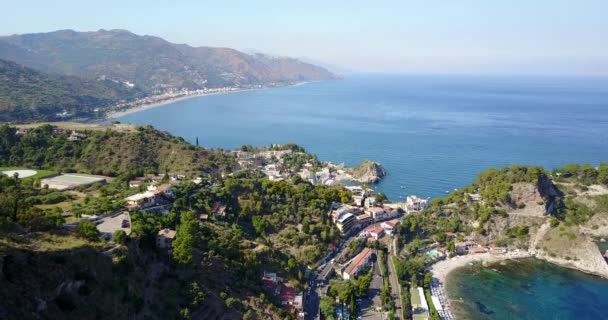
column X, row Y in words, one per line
column 447, row 191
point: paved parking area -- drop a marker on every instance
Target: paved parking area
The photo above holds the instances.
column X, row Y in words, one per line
column 109, row 225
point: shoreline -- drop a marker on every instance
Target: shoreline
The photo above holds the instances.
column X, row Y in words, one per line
column 120, row 113
column 442, row 270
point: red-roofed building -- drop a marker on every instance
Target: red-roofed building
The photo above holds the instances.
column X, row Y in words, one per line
column 390, row 226
column 375, row 232
column 358, row 263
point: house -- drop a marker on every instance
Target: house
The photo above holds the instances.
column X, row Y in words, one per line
column 165, row 190
column 359, row 200
column 21, row 132
column 390, row 226
column 137, row 182
column 359, row 263
column 143, row 199
column 76, row 136
column 377, row 213
column 164, row 238
column 375, row 232
column 364, row 220
column 203, row 217
column 289, row 297
column 414, row 203
column 218, row 209
column 370, row 202
column 474, row 197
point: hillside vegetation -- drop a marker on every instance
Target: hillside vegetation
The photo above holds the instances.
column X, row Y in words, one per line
column 214, row 269
column 109, row 152
column 27, row 94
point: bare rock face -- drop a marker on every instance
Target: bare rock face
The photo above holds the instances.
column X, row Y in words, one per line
column 367, row 172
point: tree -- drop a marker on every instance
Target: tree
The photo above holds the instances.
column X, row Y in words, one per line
column 249, row 315
column 259, row 224
column 120, row 237
column 451, row 246
column 328, row 307
column 186, row 238
column 87, row 230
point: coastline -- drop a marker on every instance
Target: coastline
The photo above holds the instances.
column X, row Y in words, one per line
column 442, row 270
column 119, row 113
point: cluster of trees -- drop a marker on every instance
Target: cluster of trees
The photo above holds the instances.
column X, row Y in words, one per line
column 293, row 213
column 347, row 293
column 494, row 185
column 17, row 200
column 110, row 152
column 26, row 94
column 586, row 174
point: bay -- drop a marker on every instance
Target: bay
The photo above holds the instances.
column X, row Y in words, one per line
column 526, row 289
column 433, row 133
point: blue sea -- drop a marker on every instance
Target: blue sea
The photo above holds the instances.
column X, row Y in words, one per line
column 432, row 133
column 526, row 289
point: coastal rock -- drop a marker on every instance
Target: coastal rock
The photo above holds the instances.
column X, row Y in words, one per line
column 367, row 172
column 571, row 248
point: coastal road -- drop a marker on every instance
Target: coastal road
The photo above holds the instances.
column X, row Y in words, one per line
column 329, row 267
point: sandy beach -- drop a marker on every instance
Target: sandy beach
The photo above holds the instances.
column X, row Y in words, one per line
column 119, row 113
column 442, row 268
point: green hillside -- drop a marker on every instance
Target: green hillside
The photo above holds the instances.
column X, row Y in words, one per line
column 108, row 152
column 27, row 94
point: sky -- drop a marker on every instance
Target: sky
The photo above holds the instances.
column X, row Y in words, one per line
column 407, row 36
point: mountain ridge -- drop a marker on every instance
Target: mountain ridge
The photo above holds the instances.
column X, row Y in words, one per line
column 151, row 62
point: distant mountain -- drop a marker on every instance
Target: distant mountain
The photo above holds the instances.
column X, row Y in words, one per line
column 151, row 63
column 26, row 94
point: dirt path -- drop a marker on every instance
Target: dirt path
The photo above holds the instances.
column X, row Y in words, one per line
column 540, row 234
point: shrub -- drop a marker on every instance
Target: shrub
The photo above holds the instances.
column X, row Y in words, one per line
column 119, row 237
column 87, row 230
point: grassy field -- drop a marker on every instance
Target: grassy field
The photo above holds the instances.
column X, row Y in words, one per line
column 40, row 172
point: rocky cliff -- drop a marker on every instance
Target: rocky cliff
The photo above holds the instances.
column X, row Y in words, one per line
column 367, row 172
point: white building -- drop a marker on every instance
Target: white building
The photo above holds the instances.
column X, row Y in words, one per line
column 414, row 203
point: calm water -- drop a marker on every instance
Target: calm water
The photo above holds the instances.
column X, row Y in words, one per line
column 529, row 289
column 432, row 133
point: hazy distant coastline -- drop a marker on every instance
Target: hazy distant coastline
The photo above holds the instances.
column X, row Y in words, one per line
column 113, row 114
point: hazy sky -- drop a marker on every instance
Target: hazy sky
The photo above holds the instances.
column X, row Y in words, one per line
column 439, row 36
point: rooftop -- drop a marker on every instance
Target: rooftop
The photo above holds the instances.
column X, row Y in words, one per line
column 167, row 233
column 344, row 217
column 360, row 259
column 392, row 223
column 141, row 196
